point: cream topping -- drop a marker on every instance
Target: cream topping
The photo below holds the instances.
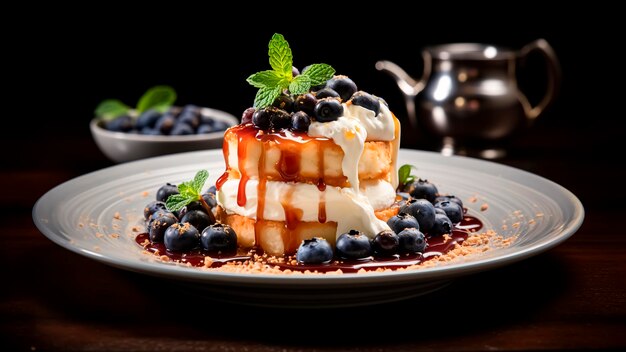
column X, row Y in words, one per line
column 351, row 210
column 379, row 128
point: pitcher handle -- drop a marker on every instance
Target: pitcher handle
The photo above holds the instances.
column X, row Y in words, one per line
column 409, row 87
column 554, row 75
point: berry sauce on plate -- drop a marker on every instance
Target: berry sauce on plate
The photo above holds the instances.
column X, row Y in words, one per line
column 437, row 245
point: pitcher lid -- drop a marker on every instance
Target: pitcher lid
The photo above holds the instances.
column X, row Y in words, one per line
column 469, row 51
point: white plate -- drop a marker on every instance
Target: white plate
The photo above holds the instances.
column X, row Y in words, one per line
column 79, row 215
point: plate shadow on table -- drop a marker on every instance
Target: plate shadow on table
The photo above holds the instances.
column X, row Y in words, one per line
column 155, row 310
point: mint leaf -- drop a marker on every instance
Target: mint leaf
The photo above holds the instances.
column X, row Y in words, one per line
column 186, row 189
column 111, row 108
column 176, row 202
column 263, row 79
column 300, row 85
column 199, row 180
column 319, row 73
column 281, row 58
column 190, row 191
column 404, row 175
column 159, row 98
column 271, row 83
column 266, row 96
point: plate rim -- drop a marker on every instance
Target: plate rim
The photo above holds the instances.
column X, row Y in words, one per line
column 437, row 272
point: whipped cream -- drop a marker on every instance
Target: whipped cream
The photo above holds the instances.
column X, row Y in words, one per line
column 349, row 134
column 350, row 209
column 379, row 127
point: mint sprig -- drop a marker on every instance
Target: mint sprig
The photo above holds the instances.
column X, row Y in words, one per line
column 404, row 175
column 111, row 108
column 159, row 98
column 271, row 83
column 190, row 191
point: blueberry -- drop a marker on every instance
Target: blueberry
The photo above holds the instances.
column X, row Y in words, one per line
column 402, row 221
column 422, row 210
column 209, row 198
column 147, row 119
column 219, row 238
column 261, row 119
column 181, row 237
column 386, row 243
column 220, row 125
column 199, row 219
column 165, row 191
column 306, row 103
column 440, row 211
column 202, row 129
column 449, row 198
column 158, row 225
column 159, row 213
column 367, row 101
column 120, row 124
column 152, row 208
column 442, row 225
column 314, row 251
column 452, row 209
column 300, row 121
column 284, row 102
column 190, row 108
column 212, row 190
column 190, row 207
column 412, row 241
column 174, row 111
column 181, row 129
column 353, row 245
column 165, row 123
column 279, row 118
column 189, row 117
column 328, row 109
column 246, row 117
column 422, row 189
column 294, row 71
column 326, row 93
column 342, row 85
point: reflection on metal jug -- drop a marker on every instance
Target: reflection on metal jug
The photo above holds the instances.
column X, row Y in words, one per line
column 469, row 93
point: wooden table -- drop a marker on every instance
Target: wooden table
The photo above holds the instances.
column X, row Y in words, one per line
column 572, row 297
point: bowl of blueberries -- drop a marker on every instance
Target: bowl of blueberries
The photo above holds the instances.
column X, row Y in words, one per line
column 156, row 126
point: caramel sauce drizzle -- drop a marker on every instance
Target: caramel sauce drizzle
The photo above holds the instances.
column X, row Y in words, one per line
column 321, row 186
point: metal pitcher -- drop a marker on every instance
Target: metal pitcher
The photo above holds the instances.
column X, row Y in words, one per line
column 469, row 92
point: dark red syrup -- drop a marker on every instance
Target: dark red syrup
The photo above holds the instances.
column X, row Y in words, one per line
column 437, row 245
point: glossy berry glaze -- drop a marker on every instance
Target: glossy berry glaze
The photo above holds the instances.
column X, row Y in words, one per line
column 437, row 245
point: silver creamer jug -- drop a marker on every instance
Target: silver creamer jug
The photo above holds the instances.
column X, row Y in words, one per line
column 468, row 92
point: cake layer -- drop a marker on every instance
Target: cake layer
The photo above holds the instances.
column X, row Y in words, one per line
column 289, row 156
column 281, row 237
column 332, row 204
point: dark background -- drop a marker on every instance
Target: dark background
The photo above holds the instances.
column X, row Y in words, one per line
column 69, row 63
column 72, row 62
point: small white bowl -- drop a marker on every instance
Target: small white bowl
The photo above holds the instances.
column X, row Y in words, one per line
column 121, row 147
